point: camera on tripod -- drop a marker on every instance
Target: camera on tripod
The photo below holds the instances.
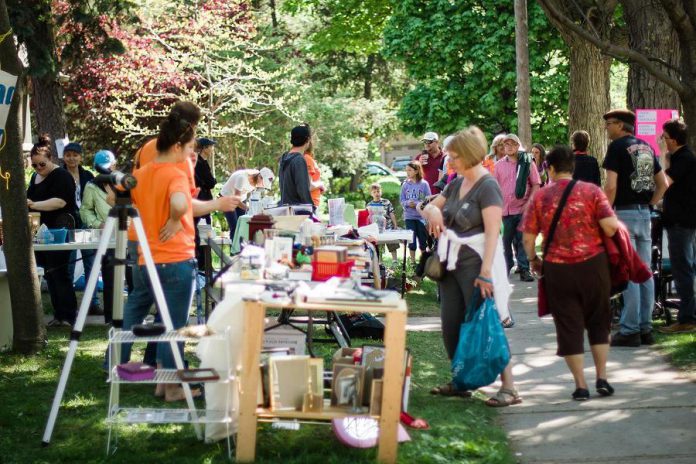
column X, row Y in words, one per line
column 116, row 179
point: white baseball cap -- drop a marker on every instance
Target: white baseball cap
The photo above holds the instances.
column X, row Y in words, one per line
column 267, row 176
column 430, row 136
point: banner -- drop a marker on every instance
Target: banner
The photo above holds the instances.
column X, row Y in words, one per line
column 7, row 88
column 649, row 125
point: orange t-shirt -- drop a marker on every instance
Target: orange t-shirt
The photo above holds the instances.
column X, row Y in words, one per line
column 143, row 156
column 157, row 182
column 314, row 175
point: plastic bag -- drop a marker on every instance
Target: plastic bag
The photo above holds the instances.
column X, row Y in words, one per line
column 483, row 350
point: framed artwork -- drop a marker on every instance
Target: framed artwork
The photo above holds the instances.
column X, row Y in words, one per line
column 316, row 374
column 288, row 382
column 376, row 397
column 282, row 249
column 348, row 384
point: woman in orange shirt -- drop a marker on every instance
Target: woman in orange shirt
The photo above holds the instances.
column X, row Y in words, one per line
column 163, row 197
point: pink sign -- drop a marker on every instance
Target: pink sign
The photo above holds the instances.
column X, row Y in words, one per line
column 649, row 125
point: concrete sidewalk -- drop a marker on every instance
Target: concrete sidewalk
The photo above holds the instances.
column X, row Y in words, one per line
column 651, row 419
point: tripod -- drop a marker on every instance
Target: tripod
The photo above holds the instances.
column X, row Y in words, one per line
column 120, row 213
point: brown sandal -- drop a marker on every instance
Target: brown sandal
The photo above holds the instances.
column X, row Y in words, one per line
column 504, row 397
column 449, row 389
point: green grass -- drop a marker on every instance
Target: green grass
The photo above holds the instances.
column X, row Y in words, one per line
column 680, row 349
column 462, row 430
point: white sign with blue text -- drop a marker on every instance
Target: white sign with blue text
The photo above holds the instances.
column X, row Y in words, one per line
column 7, row 88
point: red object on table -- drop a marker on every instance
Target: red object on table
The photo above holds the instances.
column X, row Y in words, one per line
column 363, row 218
column 324, row 271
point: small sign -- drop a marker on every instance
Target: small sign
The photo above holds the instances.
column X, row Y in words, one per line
column 649, row 125
column 8, row 82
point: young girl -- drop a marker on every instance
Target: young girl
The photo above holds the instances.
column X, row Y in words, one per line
column 377, row 200
column 413, row 191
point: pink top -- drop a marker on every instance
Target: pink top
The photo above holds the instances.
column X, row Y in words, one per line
column 506, row 175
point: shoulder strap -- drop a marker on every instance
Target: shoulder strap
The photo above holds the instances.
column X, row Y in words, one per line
column 557, row 215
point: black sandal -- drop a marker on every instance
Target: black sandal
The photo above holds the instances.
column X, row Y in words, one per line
column 448, row 389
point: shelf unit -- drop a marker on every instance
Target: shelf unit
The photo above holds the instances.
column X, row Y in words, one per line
column 394, row 341
column 118, row 415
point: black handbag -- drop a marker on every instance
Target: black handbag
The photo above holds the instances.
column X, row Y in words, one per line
column 435, row 269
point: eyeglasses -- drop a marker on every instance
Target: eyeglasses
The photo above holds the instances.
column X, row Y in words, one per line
column 609, row 123
column 39, row 165
column 665, row 137
column 510, row 144
column 428, row 142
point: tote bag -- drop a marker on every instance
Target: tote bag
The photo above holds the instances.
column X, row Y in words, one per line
column 483, row 351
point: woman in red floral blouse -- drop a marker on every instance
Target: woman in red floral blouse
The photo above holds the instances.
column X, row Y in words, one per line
column 576, row 269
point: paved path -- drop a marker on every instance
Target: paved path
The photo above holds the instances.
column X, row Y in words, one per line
column 651, row 419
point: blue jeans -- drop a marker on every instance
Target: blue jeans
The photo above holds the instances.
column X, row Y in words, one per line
column 639, row 299
column 512, row 238
column 178, row 282
column 682, row 257
column 419, row 234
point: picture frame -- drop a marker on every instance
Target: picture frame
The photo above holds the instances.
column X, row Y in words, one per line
column 348, row 380
column 316, row 373
column 282, row 249
column 372, row 359
column 288, row 382
column 198, row 375
column 376, row 397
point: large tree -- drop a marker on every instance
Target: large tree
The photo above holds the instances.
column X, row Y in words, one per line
column 25, row 296
column 589, row 87
column 460, row 57
column 650, row 31
column 682, row 16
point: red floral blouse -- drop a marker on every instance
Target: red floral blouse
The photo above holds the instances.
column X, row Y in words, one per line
column 578, row 234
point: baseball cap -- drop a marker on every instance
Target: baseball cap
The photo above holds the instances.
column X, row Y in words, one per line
column 204, row 142
column 104, row 159
column 267, row 176
column 430, row 136
column 74, row 147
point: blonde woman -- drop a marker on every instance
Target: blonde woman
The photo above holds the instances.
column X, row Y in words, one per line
column 470, row 210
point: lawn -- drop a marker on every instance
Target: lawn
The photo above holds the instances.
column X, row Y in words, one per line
column 462, row 430
column 680, row 349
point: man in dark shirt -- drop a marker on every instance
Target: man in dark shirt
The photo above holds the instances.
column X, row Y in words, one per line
column 679, row 218
column 635, row 182
column 586, row 166
column 432, row 159
column 292, row 170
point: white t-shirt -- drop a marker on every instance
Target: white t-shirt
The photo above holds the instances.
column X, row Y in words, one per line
column 239, row 181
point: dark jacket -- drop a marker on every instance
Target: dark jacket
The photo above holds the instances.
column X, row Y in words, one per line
column 294, row 180
column 680, row 197
column 586, row 169
column 624, row 263
column 204, row 179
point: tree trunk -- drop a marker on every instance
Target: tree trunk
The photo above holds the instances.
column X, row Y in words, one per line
column 369, row 73
column 274, row 14
column 588, row 97
column 46, row 92
column 524, row 113
column 651, row 33
column 25, row 295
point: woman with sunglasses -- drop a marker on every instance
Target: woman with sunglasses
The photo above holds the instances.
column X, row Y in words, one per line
column 51, row 192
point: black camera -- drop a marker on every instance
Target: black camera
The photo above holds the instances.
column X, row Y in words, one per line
column 115, row 178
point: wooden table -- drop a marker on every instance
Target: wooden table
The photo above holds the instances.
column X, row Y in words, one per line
column 394, row 342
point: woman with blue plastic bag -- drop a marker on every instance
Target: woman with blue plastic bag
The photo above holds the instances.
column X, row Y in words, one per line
column 466, row 217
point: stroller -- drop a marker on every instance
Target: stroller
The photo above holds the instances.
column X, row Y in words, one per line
column 662, row 271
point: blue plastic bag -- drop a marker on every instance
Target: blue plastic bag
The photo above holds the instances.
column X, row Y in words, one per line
column 483, row 350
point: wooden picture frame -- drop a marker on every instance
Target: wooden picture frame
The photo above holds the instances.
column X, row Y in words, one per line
column 288, row 382
column 376, row 397
column 316, row 373
column 372, row 359
column 347, row 380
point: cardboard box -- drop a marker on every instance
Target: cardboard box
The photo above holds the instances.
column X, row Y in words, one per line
column 330, row 254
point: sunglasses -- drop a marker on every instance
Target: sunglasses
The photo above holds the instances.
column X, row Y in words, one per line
column 39, row 165
column 428, row 142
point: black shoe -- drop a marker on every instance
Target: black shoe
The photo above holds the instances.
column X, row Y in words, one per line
column 526, row 276
column 581, row 394
column 619, row 339
column 647, row 338
column 603, row 388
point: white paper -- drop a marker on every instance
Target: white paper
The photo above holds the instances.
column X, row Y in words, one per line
column 646, row 129
column 60, row 146
column 336, row 211
column 371, row 230
column 647, row 116
column 7, row 88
